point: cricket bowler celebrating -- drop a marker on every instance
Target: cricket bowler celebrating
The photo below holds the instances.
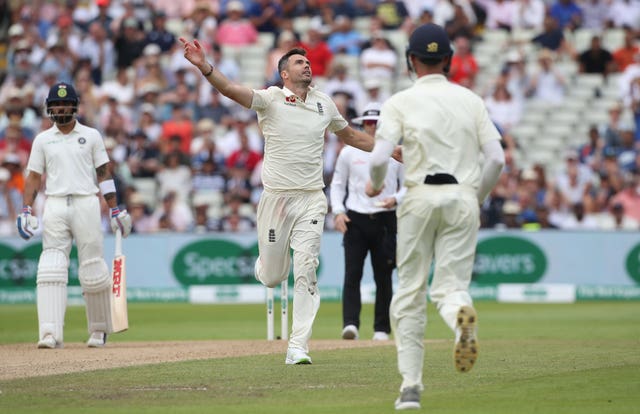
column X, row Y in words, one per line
column 74, row 159
column 292, row 207
column 445, row 128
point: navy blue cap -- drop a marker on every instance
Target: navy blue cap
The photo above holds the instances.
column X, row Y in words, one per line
column 429, row 41
column 62, row 92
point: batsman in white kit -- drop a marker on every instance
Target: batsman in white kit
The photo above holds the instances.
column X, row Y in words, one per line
column 292, row 207
column 75, row 161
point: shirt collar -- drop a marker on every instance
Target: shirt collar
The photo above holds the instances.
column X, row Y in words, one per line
column 287, row 91
column 435, row 78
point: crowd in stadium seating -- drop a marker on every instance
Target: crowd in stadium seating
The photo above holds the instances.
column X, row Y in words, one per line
column 186, row 158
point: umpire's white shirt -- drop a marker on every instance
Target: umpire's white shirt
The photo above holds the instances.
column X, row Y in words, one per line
column 436, row 139
column 350, row 178
column 70, row 160
column 294, row 132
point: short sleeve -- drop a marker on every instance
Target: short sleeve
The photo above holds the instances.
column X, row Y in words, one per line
column 100, row 156
column 261, row 99
column 36, row 157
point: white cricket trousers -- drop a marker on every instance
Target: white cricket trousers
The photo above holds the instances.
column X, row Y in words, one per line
column 292, row 220
column 70, row 218
column 435, row 222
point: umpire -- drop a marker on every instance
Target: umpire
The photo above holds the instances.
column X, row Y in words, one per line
column 369, row 226
column 446, row 131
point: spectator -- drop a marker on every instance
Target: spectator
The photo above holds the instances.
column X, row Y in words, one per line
column 344, row 39
column 378, row 61
column 552, row 38
column 624, row 13
column 10, row 204
column 201, row 21
column 14, row 142
column 140, row 218
column 174, row 178
column 542, row 216
column 625, row 55
column 612, row 134
column 505, row 111
column 286, row 41
column 629, row 196
column 236, row 221
column 236, row 29
column 203, row 223
column 567, row 13
column 148, row 124
column 547, row 84
column 142, row 156
column 98, row 48
column 529, row 15
column 215, row 110
column 596, row 59
column 238, row 184
column 575, row 180
column 628, row 152
column 500, row 14
column 511, row 215
column 159, row 34
column 341, row 81
column 173, row 214
column 231, row 141
column 265, row 15
column 579, row 219
column 594, row 14
column 180, row 124
column 374, row 92
column 210, row 177
column 393, row 14
column 615, row 219
column 121, row 88
column 129, row 42
column 464, row 67
column 459, row 24
column 244, row 156
column 318, row 51
column 591, row 153
column 17, row 112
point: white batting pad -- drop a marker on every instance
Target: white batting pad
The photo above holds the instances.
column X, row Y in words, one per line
column 96, row 287
column 52, row 293
column 52, row 304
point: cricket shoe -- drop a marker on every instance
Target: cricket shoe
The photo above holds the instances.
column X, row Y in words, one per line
column 465, row 351
column 97, row 340
column 409, row 399
column 296, row 356
column 350, row 332
column 380, row 336
column 49, row 342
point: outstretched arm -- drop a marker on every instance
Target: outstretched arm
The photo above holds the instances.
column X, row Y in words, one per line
column 194, row 53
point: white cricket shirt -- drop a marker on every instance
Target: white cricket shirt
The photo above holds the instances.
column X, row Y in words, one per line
column 70, row 160
column 294, row 133
column 350, row 178
column 443, row 127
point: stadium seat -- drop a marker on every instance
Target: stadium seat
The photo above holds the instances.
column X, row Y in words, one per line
column 147, row 188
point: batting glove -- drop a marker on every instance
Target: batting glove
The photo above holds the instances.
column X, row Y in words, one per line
column 27, row 223
column 120, row 220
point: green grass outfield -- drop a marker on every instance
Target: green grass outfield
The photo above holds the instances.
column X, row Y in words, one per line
column 579, row 358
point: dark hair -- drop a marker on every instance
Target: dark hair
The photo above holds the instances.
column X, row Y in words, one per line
column 284, row 60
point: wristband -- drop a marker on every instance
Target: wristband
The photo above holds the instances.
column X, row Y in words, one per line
column 107, row 186
column 206, row 75
column 26, row 209
column 115, row 211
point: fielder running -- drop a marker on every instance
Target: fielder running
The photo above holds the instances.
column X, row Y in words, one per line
column 75, row 162
column 292, row 207
column 445, row 128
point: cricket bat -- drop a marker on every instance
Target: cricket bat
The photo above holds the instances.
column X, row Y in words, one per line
column 119, row 315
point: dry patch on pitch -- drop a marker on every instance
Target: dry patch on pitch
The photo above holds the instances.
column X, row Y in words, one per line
column 25, row 360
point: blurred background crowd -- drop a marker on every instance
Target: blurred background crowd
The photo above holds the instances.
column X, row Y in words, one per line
column 561, row 80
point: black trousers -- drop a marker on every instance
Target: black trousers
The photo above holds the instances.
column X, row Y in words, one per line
column 374, row 234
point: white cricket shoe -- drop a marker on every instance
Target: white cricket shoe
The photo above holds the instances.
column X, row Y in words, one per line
column 409, row 399
column 49, row 342
column 350, row 332
column 97, row 340
column 380, row 336
column 465, row 351
column 296, row 356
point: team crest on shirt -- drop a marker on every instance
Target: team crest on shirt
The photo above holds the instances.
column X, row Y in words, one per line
column 290, row 100
column 320, row 109
column 82, row 140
